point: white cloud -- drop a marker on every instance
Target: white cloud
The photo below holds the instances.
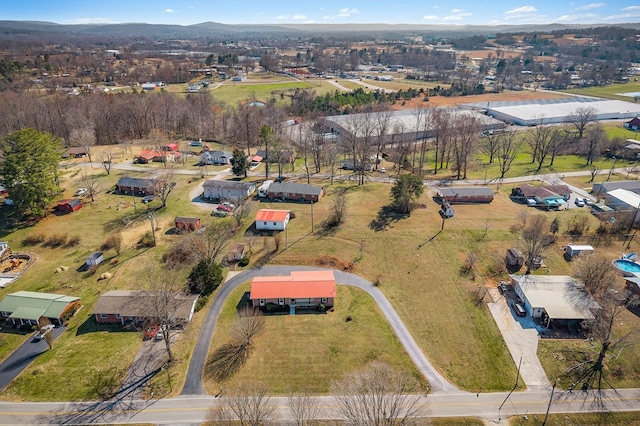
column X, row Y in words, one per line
column 590, row 6
column 457, row 15
column 347, row 12
column 296, row 17
column 456, row 11
column 585, row 17
column 431, row 18
column 168, row 11
column 524, row 10
column 631, row 8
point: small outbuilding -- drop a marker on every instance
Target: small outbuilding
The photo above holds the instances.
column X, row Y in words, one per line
column 573, row 250
column 272, row 220
column 69, row 206
column 461, row 195
column 514, row 260
column 94, row 259
column 186, row 224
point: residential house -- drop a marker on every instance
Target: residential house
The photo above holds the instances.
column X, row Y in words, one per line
column 543, row 196
column 186, row 224
column 622, row 200
column 138, row 186
column 555, row 300
column 28, row 307
column 75, row 152
column 302, row 192
column 351, row 164
column 216, row 158
column 301, row 289
column 272, row 220
column 69, row 205
column 633, row 124
column 173, row 147
column 158, row 156
column 227, row 189
column 458, row 195
column 94, row 259
column 136, row 307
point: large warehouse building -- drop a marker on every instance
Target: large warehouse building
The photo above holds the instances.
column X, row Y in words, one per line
column 560, row 110
column 403, row 124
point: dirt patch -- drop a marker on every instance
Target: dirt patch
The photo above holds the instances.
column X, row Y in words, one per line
column 332, row 262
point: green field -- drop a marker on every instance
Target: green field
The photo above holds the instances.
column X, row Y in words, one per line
column 610, row 91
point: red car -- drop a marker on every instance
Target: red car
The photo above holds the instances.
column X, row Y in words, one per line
column 223, row 208
column 151, row 332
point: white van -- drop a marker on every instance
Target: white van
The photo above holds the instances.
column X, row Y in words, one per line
column 264, row 188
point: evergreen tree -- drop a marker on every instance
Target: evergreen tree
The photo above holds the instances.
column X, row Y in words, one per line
column 28, row 169
column 406, row 189
column 239, row 163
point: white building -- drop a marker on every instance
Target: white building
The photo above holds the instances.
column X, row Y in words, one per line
column 272, row 220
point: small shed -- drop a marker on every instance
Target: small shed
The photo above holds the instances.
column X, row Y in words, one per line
column 573, row 250
column 514, row 260
column 183, row 223
column 69, row 206
column 95, row 258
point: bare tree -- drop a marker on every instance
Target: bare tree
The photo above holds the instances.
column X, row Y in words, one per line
column 541, row 140
column 241, row 210
column 168, row 183
column 210, row 243
column 491, row 144
column 378, row 395
column 595, row 137
column 304, row 408
column 464, row 143
column 443, row 124
column 601, row 281
column 92, row 184
column 534, row 239
column 338, row 209
column 384, row 121
column 246, row 405
column 107, row 160
column 509, row 146
column 581, row 119
column 84, row 137
column 593, row 172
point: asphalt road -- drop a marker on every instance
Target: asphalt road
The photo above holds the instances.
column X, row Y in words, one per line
column 493, row 407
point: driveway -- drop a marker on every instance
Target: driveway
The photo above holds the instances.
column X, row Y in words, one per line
column 521, row 338
column 11, row 367
column 193, row 383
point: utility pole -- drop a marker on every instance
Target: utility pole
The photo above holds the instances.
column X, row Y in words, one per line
column 312, row 217
column 153, row 227
column 553, row 388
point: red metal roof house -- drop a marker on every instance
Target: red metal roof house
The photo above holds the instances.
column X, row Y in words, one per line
column 302, row 289
column 272, row 220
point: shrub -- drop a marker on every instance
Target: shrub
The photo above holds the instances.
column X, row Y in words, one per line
column 56, row 241
column 205, row 277
column 72, row 242
column 146, row 240
column 202, row 301
column 243, row 262
column 34, row 239
column 113, row 241
column 178, row 255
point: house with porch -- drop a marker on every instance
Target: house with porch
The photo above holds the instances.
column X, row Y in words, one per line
column 300, row 289
column 135, row 307
column 28, row 307
column 302, row 192
column 216, row 158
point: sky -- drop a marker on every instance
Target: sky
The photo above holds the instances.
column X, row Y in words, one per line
column 452, row 12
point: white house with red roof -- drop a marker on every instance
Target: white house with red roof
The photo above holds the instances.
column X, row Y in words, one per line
column 301, row 289
column 272, row 220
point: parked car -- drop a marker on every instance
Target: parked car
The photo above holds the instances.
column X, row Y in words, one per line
column 504, row 287
column 589, row 202
column 223, row 208
column 81, row 192
column 218, row 213
column 147, row 199
column 531, row 202
column 195, row 143
column 44, row 331
column 518, row 309
column 151, row 332
column 579, row 202
column 228, row 204
column 383, row 170
column 280, row 179
column 161, row 332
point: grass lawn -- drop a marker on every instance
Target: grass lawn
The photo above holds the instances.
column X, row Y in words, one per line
column 610, row 91
column 579, row 419
column 231, row 93
column 308, row 352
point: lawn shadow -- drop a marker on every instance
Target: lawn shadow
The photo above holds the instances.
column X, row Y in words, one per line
column 386, row 215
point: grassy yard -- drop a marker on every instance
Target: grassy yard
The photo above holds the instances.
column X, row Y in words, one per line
column 231, row 93
column 610, row 91
column 308, row 352
column 578, row 419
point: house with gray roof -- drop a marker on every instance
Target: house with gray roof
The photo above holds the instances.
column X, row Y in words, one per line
column 28, row 307
column 138, row 186
column 216, row 158
column 603, row 188
column 470, row 195
column 227, row 189
column 302, row 192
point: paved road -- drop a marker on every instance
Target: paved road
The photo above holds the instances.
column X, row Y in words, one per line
column 13, row 365
column 494, row 407
column 193, row 383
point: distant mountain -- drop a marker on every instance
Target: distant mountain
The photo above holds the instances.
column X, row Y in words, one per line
column 214, row 29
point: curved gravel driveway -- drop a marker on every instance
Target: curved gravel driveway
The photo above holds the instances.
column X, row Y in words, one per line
column 193, row 383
